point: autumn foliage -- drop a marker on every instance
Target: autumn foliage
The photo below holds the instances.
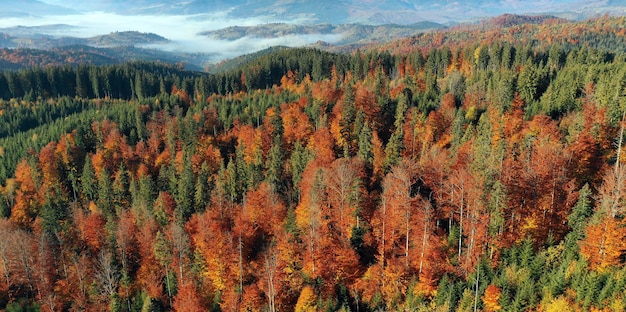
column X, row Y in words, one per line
column 479, row 176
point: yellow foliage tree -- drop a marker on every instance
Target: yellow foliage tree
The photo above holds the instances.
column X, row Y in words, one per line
column 491, row 297
column 307, row 300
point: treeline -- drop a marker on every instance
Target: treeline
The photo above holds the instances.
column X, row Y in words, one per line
column 486, row 177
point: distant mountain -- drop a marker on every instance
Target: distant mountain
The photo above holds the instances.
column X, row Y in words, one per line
column 354, row 11
column 38, row 31
column 606, row 34
column 346, row 33
column 508, row 20
column 79, row 54
column 29, row 37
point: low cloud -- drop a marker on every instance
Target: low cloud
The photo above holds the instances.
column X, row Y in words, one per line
column 223, row 49
column 182, row 30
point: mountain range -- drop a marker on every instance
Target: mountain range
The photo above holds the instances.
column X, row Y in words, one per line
column 329, row 11
column 204, row 32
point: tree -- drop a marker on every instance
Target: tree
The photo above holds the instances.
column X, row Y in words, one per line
column 274, row 165
column 296, row 124
column 127, row 252
column 398, row 200
column 105, row 194
column 605, row 238
column 202, row 188
column 88, row 180
column 307, row 300
column 107, row 277
column 346, row 121
column 309, row 214
column 24, row 210
column 604, row 243
column 491, row 297
column 163, row 255
column 365, row 144
column 6, row 254
column 121, row 189
column 344, row 188
column 580, row 214
column 187, row 299
column 185, row 193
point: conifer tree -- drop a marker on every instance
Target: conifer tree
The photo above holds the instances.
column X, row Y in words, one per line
column 88, row 180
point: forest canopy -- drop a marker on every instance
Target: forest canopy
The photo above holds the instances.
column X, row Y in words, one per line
column 481, row 176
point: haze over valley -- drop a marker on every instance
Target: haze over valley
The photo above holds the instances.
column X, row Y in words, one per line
column 216, row 30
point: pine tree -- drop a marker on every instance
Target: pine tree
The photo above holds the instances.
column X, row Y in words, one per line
column 185, row 194
column 348, row 115
column 121, row 189
column 88, row 180
column 577, row 219
column 274, row 165
column 202, row 188
column 105, row 194
column 365, row 144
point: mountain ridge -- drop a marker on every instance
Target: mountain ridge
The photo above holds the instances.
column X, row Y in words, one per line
column 354, row 11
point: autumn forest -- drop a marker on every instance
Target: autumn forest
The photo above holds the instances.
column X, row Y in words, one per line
column 472, row 173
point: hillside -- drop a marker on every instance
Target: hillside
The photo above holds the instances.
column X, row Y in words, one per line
column 352, row 34
column 21, row 58
column 472, row 173
column 600, row 33
column 32, row 38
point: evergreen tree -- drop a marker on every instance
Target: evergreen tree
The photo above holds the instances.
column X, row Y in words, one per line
column 88, row 180
column 577, row 220
column 105, row 194
column 274, row 165
column 185, row 194
column 348, row 115
column 202, row 188
column 121, row 189
column 365, row 144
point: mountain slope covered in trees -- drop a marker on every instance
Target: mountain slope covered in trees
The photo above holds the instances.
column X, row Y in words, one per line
column 479, row 176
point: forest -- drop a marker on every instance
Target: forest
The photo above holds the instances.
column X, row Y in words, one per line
column 482, row 176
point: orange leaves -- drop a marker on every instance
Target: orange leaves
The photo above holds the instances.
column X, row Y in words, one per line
column 26, row 196
column 252, row 141
column 187, row 299
column 491, row 297
column 48, row 162
column 92, row 230
column 605, row 243
column 390, row 283
column 182, row 94
column 297, row 126
column 588, row 161
column 365, row 100
column 264, row 208
column 328, row 254
column 344, row 188
column 113, row 149
column 288, row 81
column 326, row 92
column 321, row 144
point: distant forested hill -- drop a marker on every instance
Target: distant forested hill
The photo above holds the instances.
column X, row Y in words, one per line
column 600, row 33
column 23, row 58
